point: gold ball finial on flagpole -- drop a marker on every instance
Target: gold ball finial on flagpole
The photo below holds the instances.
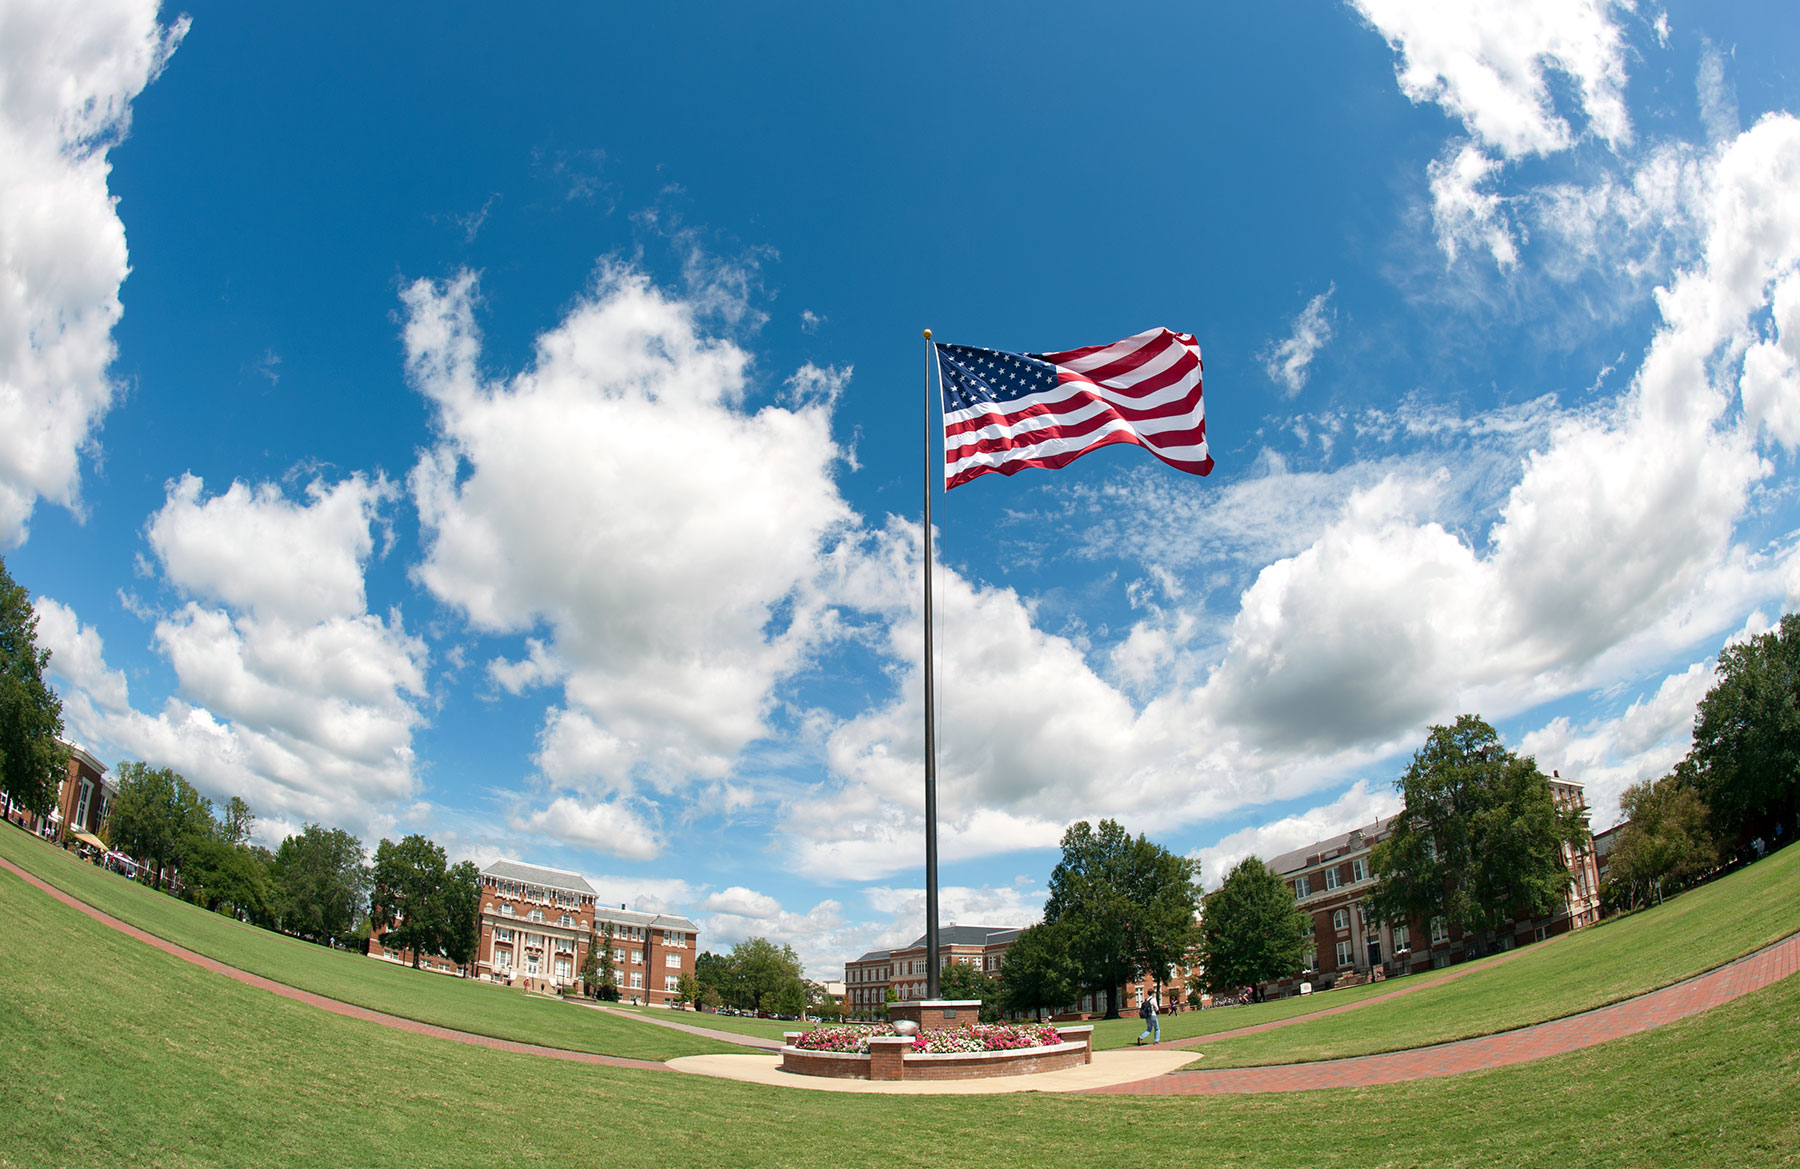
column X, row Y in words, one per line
column 928, row 334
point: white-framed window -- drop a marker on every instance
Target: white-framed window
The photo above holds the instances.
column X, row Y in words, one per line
column 1311, row 961
column 503, row 935
column 562, row 968
column 1359, row 869
column 87, row 794
column 1440, row 959
column 1440, row 930
column 1343, row 954
column 671, row 984
column 637, row 957
column 637, row 981
column 565, row 920
column 1402, row 938
column 503, row 959
column 1331, row 877
column 506, row 911
column 619, row 957
column 536, row 915
column 1340, row 920
column 672, row 961
column 1302, row 887
column 1541, row 932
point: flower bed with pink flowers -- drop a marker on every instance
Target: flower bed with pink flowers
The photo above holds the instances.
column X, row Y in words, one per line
column 975, row 1037
column 967, row 1052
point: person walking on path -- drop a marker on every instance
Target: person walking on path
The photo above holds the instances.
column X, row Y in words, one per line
column 1152, row 1024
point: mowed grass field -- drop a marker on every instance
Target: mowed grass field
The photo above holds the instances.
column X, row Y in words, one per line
column 464, row 1004
column 1620, row 958
column 112, row 1053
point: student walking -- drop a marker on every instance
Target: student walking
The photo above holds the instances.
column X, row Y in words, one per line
column 1152, row 1024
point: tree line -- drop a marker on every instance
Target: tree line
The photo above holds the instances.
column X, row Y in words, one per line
column 319, row 884
column 1480, row 840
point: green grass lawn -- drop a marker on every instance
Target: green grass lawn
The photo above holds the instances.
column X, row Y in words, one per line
column 465, row 1004
column 1122, row 1032
column 1696, row 931
column 735, row 1024
column 115, row 1054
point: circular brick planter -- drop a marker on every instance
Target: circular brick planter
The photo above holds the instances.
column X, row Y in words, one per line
column 891, row 1058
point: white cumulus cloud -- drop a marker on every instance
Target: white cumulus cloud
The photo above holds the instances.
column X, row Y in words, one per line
column 621, row 498
column 65, row 101
column 288, row 691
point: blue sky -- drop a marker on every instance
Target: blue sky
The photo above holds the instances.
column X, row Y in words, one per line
column 507, row 426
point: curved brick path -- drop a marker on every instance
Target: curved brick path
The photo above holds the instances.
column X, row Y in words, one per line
column 320, row 1001
column 1768, row 965
column 1700, row 993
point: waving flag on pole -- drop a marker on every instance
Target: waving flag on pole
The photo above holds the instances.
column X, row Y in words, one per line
column 1008, row 411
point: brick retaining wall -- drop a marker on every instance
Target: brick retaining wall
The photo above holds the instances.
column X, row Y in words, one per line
column 890, row 1059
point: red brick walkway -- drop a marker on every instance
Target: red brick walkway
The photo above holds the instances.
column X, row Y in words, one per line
column 1703, row 992
column 320, row 1001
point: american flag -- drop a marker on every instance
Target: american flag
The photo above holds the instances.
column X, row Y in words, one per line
column 1008, row 411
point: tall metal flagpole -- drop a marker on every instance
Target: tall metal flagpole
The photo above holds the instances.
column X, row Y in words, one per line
column 931, row 880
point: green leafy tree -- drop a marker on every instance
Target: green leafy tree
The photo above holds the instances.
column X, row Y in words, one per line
column 687, row 987
column 762, row 972
column 1746, row 752
column 715, row 974
column 1038, row 975
column 406, row 904
column 590, row 967
column 321, row 883
column 1480, row 839
column 1127, row 905
column 821, row 1004
column 1667, row 840
column 160, row 819
column 33, row 759
column 239, row 822
column 1251, row 931
column 608, row 986
column 230, row 879
column 462, row 914
column 960, row 981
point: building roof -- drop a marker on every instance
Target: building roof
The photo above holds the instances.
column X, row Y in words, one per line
column 1294, row 861
column 875, row 956
column 538, row 875
column 87, row 759
column 966, row 935
column 660, row 921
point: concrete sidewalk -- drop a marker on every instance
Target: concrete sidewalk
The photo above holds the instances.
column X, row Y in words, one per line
column 738, row 1038
column 1109, row 1069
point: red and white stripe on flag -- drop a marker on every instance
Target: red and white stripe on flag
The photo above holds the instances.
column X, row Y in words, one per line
column 1143, row 390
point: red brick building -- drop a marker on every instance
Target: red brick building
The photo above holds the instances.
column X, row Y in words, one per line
column 867, row 978
column 1332, row 878
column 83, row 799
column 537, row 924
